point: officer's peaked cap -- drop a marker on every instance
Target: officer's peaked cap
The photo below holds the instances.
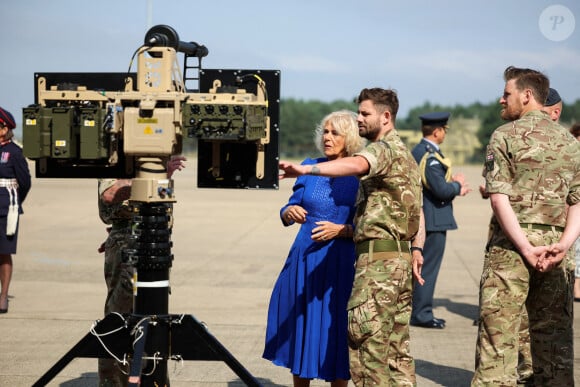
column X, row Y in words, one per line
column 435, row 118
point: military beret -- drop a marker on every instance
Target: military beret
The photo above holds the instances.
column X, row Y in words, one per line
column 7, row 119
column 435, row 118
column 553, row 98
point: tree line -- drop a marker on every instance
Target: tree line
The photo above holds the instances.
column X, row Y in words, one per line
column 298, row 119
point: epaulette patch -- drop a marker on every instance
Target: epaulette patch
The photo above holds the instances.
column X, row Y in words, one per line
column 489, row 162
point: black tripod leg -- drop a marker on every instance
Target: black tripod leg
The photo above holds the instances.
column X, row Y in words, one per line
column 82, row 346
column 90, row 347
column 192, row 341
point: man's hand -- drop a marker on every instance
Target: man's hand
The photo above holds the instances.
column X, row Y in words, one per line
column 291, row 170
column 554, row 255
column 460, row 178
column 118, row 192
column 417, row 258
column 484, row 195
column 534, row 255
column 101, row 248
column 175, row 163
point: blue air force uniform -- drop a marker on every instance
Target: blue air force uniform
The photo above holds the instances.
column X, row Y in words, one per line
column 438, row 194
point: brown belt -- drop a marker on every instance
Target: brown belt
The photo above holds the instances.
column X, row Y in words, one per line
column 382, row 245
column 544, row 227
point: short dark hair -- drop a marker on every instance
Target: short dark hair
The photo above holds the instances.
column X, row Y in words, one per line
column 534, row 80
column 428, row 130
column 382, row 97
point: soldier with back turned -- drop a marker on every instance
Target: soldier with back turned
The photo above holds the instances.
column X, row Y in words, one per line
column 532, row 173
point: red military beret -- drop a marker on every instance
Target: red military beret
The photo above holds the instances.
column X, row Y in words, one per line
column 7, row 119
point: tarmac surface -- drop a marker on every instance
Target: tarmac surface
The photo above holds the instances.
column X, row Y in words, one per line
column 229, row 246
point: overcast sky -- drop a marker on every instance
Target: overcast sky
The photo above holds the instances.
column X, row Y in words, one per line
column 445, row 52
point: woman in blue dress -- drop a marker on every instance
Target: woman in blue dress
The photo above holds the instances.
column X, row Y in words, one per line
column 307, row 320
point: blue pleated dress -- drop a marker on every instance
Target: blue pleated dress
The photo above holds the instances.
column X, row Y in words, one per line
column 307, row 320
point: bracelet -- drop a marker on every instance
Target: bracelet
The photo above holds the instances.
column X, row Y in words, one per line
column 415, row 248
column 314, row 170
column 347, row 230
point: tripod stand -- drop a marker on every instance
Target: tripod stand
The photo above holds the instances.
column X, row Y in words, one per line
column 150, row 336
column 190, row 340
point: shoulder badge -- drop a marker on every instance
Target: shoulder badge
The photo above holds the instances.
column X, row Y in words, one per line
column 435, row 158
column 489, row 162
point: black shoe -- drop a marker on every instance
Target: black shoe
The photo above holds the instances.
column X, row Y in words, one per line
column 438, row 319
column 4, row 310
column 435, row 323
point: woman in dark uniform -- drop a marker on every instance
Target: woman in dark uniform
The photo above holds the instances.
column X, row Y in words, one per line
column 14, row 186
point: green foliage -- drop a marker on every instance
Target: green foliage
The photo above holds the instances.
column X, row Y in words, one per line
column 570, row 114
column 299, row 118
column 488, row 114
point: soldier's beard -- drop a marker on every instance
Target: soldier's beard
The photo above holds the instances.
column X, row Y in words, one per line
column 510, row 114
column 370, row 132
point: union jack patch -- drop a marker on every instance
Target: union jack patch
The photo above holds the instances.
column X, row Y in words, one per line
column 489, row 162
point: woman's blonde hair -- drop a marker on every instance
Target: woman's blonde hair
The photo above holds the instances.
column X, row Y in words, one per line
column 344, row 122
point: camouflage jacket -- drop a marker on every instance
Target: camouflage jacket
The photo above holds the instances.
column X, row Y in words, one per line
column 389, row 196
column 536, row 162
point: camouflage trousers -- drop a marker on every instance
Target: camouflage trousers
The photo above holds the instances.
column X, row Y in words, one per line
column 118, row 278
column 379, row 311
column 510, row 290
column 525, row 371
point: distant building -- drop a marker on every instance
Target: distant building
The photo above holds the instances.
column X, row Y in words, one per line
column 461, row 143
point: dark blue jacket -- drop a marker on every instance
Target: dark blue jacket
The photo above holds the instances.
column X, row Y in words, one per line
column 13, row 165
column 437, row 199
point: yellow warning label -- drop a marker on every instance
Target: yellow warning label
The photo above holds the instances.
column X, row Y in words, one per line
column 146, row 120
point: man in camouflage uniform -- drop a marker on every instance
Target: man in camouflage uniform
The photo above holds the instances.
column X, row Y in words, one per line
column 388, row 218
column 114, row 211
column 532, row 173
column 553, row 106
